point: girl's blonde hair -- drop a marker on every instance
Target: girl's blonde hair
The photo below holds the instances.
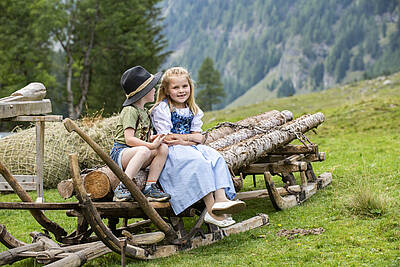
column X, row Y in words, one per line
column 165, row 80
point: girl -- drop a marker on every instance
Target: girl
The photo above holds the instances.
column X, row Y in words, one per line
column 192, row 171
column 134, row 147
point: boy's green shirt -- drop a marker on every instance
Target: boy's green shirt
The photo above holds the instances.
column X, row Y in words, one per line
column 136, row 118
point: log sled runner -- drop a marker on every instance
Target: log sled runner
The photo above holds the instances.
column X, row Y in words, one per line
column 258, row 145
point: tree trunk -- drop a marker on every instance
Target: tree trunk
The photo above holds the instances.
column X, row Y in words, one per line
column 70, row 94
column 99, row 183
column 260, row 124
column 86, row 70
column 222, row 131
column 250, row 150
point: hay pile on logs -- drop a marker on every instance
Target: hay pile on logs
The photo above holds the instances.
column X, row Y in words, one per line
column 240, row 143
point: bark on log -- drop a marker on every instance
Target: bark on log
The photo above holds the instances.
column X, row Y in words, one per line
column 79, row 258
column 250, row 150
column 261, row 123
column 10, row 256
column 223, row 131
column 99, row 183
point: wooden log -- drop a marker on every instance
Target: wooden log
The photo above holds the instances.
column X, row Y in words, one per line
column 8, row 240
column 99, row 183
column 32, row 92
column 13, row 255
column 250, row 150
column 295, row 149
column 80, row 257
column 226, row 130
column 66, row 188
column 261, row 126
column 144, row 239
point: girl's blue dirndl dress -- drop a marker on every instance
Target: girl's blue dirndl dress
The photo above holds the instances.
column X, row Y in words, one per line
column 191, row 172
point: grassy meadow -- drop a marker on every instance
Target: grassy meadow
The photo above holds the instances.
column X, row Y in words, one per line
column 359, row 211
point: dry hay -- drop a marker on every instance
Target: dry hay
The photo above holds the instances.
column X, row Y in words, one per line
column 18, row 151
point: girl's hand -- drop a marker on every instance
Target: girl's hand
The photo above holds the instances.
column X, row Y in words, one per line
column 153, row 137
column 178, row 139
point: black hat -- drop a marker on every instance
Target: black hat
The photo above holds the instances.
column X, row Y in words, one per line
column 137, row 82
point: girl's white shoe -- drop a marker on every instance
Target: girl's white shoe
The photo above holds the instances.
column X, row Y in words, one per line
column 228, row 207
column 223, row 223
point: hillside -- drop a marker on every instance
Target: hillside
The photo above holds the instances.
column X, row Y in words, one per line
column 260, row 47
column 361, row 139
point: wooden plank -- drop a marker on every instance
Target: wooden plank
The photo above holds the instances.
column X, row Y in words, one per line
column 27, row 186
column 44, row 118
column 28, row 182
column 278, row 167
column 315, row 157
column 13, row 109
column 263, row 193
column 39, row 206
column 207, row 239
column 21, row 178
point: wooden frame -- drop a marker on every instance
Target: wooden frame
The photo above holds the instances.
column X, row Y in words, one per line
column 81, row 246
column 32, row 182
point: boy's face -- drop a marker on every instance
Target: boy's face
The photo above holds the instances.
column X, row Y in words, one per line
column 150, row 96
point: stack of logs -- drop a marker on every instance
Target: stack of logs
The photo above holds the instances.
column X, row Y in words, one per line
column 240, row 143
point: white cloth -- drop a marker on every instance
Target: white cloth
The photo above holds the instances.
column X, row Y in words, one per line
column 190, row 172
column 161, row 116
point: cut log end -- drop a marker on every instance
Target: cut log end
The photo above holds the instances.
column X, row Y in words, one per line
column 66, row 189
column 97, row 184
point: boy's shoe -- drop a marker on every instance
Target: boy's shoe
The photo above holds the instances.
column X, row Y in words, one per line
column 152, row 193
column 121, row 193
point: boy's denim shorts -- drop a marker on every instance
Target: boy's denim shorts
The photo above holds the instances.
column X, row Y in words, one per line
column 116, row 153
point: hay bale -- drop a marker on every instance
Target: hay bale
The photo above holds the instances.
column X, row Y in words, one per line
column 18, row 151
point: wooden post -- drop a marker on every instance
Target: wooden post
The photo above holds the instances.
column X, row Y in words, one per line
column 39, row 160
column 40, row 126
column 123, row 248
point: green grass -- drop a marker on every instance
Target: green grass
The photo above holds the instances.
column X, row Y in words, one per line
column 362, row 143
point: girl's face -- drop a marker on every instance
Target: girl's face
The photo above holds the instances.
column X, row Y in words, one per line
column 178, row 90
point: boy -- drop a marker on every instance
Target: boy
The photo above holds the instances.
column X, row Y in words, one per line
column 134, row 147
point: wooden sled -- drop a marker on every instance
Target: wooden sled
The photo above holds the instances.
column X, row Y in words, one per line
column 81, row 245
column 93, row 238
column 284, row 162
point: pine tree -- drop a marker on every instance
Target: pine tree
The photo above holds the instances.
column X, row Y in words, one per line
column 210, row 86
column 286, row 88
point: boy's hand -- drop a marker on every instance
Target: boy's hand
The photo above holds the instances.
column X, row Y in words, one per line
column 157, row 140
